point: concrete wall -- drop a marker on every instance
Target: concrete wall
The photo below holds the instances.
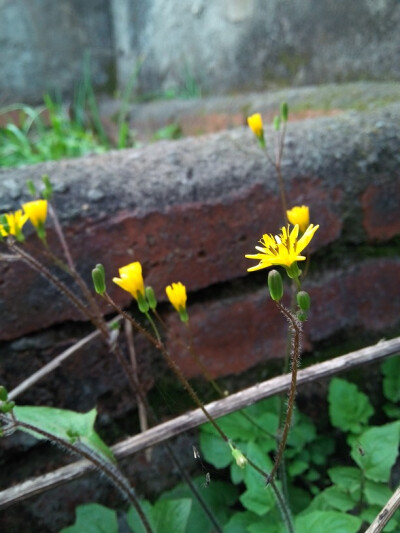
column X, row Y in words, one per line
column 217, row 45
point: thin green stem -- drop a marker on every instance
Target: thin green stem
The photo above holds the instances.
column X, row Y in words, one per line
column 154, row 327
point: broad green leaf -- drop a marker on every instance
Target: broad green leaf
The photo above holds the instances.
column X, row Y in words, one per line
column 240, row 522
column 67, row 425
column 380, row 448
column 296, row 467
column 218, row 496
column 376, row 493
column 332, row 498
column 320, row 448
column 215, row 450
column 349, row 409
column 302, row 432
column 252, row 478
column 347, row 478
column 134, row 521
column 258, row 500
column 93, row 518
column 391, row 378
column 327, row 521
column 171, row 515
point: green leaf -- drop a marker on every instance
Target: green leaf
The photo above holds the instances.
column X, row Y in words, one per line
column 240, row 522
column 134, row 521
column 219, row 497
column 258, row 500
column 295, row 467
column 391, row 378
column 328, row 521
column 391, row 411
column 93, row 518
column 253, row 479
column 302, row 432
column 171, row 515
column 332, row 498
column 347, row 478
column 67, row 425
column 214, row 449
column 376, row 493
column 380, row 448
column 349, row 409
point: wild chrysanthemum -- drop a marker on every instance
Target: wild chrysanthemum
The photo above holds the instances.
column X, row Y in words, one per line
column 283, row 249
column 36, row 211
column 14, row 223
column 299, row 215
column 255, row 123
column 131, row 280
column 176, row 293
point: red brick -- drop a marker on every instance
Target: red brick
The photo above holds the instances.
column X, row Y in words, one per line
column 380, row 203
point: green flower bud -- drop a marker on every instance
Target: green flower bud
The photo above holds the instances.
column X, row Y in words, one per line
column 275, row 285
column 3, row 394
column 284, row 111
column 48, row 188
column 240, row 459
column 303, row 300
column 6, row 407
column 277, row 123
column 99, row 279
column 31, row 188
column 151, row 297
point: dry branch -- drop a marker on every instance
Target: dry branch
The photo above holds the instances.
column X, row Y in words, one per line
column 190, row 420
column 385, row 514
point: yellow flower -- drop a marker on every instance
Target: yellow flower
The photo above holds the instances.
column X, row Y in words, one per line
column 283, row 249
column 131, row 280
column 15, row 221
column 299, row 215
column 36, row 211
column 255, row 123
column 177, row 295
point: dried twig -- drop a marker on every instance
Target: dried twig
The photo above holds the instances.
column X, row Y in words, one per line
column 190, row 420
column 386, row 514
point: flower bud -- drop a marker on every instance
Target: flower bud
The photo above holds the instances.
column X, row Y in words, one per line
column 275, row 285
column 303, row 300
column 3, row 393
column 277, row 123
column 99, row 279
column 6, row 407
column 302, row 316
column 240, row 459
column 284, row 111
column 48, row 188
column 151, row 297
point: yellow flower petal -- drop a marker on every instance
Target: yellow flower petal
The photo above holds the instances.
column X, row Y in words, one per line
column 255, row 123
column 131, row 279
column 36, row 211
column 299, row 215
column 283, row 249
column 15, row 223
column 176, row 293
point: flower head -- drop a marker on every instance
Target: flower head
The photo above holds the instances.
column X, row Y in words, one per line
column 177, row 295
column 15, row 222
column 36, row 211
column 299, row 215
column 255, row 123
column 131, row 280
column 283, row 249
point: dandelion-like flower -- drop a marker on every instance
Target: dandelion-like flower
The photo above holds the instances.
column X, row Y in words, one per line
column 299, row 215
column 176, row 293
column 131, row 280
column 36, row 211
column 283, row 249
column 255, row 123
column 15, row 222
